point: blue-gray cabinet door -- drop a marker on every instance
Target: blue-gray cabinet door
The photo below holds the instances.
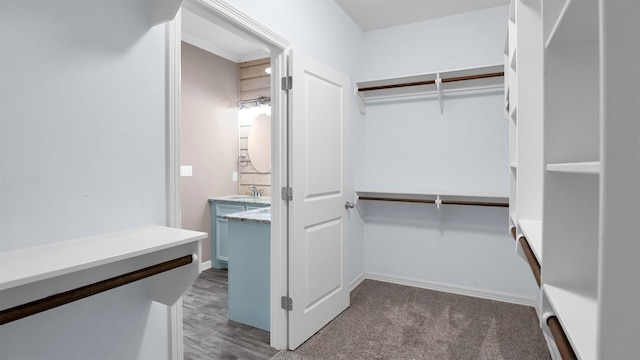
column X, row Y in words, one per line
column 222, row 239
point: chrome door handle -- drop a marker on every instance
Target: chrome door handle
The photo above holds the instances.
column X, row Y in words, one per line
column 349, row 205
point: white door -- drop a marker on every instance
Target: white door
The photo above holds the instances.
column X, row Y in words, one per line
column 318, row 223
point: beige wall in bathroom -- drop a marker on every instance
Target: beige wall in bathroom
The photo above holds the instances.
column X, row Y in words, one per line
column 254, row 82
column 208, row 135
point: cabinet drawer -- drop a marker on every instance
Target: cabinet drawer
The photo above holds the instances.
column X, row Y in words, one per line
column 223, row 209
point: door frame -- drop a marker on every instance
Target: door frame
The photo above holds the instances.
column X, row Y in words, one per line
column 223, row 14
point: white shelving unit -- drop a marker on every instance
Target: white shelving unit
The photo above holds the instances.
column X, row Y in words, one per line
column 576, row 86
column 618, row 326
column 529, row 123
column 431, row 83
column 571, row 197
column 525, row 122
column 511, row 91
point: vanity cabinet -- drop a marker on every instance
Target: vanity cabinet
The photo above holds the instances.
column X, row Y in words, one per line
column 250, row 269
column 219, row 207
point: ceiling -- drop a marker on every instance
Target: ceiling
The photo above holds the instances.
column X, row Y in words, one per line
column 368, row 14
column 377, row 14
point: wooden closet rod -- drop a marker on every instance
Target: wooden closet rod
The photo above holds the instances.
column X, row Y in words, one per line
column 50, row 302
column 431, row 82
column 564, row 347
column 531, row 258
column 444, row 202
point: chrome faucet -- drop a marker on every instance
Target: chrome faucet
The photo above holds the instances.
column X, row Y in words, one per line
column 254, row 191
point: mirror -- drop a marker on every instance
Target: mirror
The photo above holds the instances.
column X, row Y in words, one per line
column 259, row 143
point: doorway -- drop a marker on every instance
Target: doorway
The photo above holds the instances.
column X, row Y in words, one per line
column 312, row 209
column 244, row 27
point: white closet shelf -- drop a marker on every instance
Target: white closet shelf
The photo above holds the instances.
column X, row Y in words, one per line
column 31, row 274
column 513, row 166
column 589, row 167
column 577, row 313
column 532, row 231
column 425, row 84
column 576, row 23
column 514, row 113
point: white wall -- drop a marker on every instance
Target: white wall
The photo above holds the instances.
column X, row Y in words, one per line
column 457, row 248
column 409, row 145
column 452, row 42
column 82, row 150
column 322, row 30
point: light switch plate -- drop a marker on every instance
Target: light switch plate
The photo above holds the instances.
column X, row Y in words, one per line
column 234, row 177
column 186, row 170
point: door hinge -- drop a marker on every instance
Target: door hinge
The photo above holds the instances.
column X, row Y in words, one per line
column 286, row 303
column 287, row 194
column 287, row 83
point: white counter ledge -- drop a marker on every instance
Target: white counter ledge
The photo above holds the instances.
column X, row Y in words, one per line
column 31, row 274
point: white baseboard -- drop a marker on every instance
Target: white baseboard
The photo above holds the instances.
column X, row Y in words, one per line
column 205, row 265
column 354, row 284
column 454, row 289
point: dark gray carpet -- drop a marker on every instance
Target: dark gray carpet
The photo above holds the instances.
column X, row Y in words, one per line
column 388, row 321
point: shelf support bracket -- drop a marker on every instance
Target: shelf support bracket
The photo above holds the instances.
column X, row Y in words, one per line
column 356, row 198
column 438, row 82
column 360, row 101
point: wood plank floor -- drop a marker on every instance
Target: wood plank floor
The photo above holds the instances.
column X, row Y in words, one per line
column 208, row 333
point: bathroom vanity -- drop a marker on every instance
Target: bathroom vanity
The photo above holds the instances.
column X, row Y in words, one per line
column 249, row 244
column 220, row 207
